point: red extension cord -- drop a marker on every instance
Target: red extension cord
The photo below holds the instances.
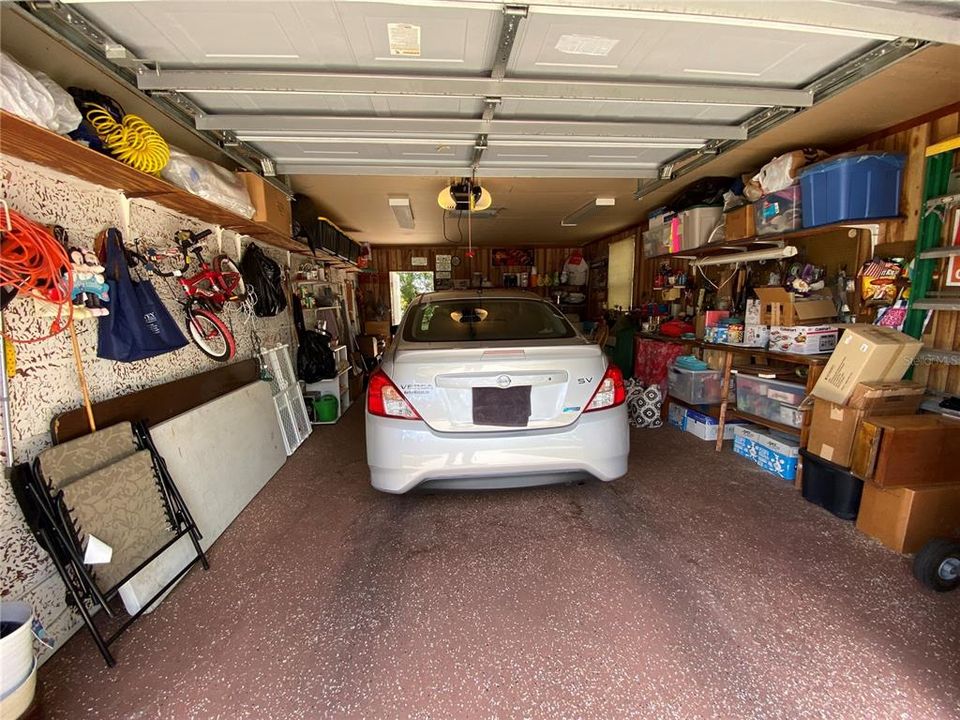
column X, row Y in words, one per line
column 35, row 264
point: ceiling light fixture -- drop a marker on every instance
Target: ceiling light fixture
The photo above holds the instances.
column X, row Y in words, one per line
column 574, row 218
column 402, row 211
column 751, row 256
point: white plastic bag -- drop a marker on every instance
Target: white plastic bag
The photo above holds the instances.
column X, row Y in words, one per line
column 781, row 172
column 35, row 97
column 209, row 181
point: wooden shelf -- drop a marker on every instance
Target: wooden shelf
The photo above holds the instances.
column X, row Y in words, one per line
column 757, row 420
column 759, row 242
column 22, row 139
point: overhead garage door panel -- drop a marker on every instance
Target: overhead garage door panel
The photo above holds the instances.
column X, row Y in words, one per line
column 328, row 35
column 563, row 45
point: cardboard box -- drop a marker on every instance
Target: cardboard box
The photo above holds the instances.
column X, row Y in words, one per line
column 380, row 328
column 271, row 206
column 833, row 428
column 865, row 353
column 779, row 307
column 676, row 415
column 776, row 453
column 905, row 518
column 739, row 223
column 706, row 427
column 803, row 339
column 752, row 314
column 756, row 336
column 709, row 318
column 907, row 450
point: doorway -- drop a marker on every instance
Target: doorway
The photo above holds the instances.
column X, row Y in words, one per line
column 404, row 287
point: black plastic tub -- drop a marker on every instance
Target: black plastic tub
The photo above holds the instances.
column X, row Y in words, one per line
column 831, row 487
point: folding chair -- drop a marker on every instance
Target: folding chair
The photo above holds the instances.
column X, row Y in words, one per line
column 112, row 485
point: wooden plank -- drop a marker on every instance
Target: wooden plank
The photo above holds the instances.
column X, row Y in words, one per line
column 158, row 403
column 35, row 144
column 912, row 191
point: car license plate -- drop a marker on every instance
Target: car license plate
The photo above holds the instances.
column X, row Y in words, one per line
column 507, row 407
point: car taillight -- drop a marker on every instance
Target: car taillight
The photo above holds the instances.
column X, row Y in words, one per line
column 611, row 391
column 385, row 400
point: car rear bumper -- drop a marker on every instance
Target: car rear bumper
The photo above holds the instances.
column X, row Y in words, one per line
column 405, row 453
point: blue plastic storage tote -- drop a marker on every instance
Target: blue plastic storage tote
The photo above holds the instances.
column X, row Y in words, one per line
column 853, row 186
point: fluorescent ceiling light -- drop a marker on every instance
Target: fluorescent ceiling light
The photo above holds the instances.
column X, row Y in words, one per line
column 751, row 256
column 402, row 211
column 574, row 218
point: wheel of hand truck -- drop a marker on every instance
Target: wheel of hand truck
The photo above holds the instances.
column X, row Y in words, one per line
column 211, row 335
column 232, row 277
column 937, row 565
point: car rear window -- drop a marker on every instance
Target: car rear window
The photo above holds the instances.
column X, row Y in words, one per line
column 485, row 319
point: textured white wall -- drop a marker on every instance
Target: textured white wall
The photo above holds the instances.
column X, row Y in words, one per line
column 46, row 380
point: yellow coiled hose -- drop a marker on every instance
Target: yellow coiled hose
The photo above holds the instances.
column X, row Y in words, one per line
column 132, row 141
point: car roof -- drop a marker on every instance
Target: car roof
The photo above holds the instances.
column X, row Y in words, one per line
column 476, row 293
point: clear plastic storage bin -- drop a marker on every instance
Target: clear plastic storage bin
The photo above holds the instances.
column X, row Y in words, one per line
column 697, row 224
column 662, row 239
column 774, row 400
column 697, row 387
column 779, row 211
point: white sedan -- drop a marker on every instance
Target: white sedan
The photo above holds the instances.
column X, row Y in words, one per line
column 492, row 389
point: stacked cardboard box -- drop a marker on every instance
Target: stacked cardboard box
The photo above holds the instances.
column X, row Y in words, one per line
column 865, row 353
column 834, row 426
column 909, row 465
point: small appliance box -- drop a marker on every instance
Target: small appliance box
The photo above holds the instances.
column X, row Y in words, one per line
column 780, row 307
column 271, row 206
column 865, row 353
column 706, row 427
column 803, row 339
column 906, row 518
column 752, row 314
column 776, row 453
column 833, row 428
column 757, row 336
column 677, row 415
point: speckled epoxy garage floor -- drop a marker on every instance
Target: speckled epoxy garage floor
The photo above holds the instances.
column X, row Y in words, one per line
column 696, row 587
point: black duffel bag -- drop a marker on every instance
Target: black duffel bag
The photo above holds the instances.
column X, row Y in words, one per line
column 264, row 276
column 315, row 358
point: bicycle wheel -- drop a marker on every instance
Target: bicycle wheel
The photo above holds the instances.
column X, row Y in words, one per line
column 210, row 335
column 232, row 279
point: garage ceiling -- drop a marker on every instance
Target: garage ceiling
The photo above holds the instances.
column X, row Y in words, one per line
column 438, row 89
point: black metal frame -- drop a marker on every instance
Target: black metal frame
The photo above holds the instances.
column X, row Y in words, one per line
column 55, row 531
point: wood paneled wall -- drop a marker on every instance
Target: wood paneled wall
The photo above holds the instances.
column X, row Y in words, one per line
column 375, row 282
column 943, row 332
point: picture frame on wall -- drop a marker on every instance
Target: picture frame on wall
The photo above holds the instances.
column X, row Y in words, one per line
column 511, row 257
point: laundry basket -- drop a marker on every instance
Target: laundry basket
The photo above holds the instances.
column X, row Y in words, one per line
column 16, row 645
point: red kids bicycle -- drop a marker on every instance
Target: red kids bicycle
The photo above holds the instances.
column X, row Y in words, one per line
column 207, row 290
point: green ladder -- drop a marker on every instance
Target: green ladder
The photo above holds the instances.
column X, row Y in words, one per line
column 929, row 252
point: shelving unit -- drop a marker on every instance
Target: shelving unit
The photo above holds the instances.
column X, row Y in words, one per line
column 759, row 242
column 338, row 385
column 722, row 410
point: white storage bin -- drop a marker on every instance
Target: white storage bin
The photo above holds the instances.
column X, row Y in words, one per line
column 697, row 223
column 697, row 387
column 769, row 398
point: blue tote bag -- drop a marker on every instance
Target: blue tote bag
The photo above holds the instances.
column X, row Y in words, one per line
column 139, row 325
